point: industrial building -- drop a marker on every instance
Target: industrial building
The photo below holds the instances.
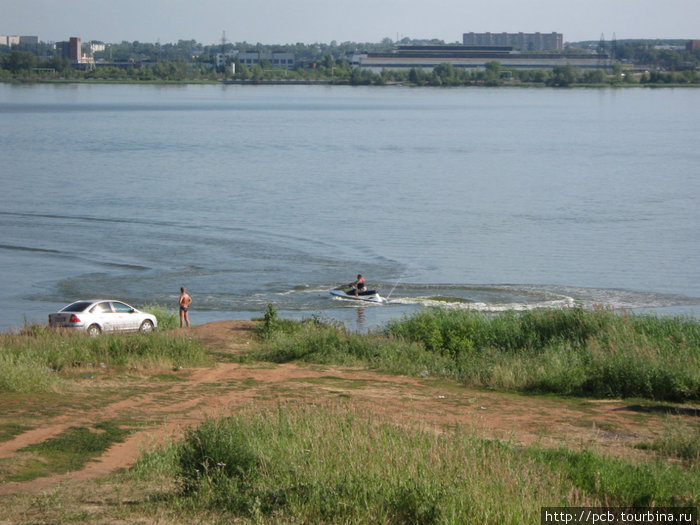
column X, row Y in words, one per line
column 281, row 60
column 521, row 41
column 426, row 57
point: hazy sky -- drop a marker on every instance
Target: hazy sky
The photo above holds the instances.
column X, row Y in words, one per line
column 310, row 21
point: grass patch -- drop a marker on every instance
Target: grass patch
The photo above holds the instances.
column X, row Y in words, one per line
column 332, row 464
column 573, row 351
column 68, row 451
column 678, row 439
column 167, row 319
column 40, row 361
column 340, row 382
column 167, row 378
column 623, row 483
column 10, row 430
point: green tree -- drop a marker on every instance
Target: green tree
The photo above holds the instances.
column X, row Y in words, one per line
column 616, row 73
column 257, row 74
column 493, row 73
column 444, row 74
column 242, row 71
column 562, row 76
column 20, row 62
column 60, row 64
column 691, row 76
column 594, row 76
column 417, row 76
column 359, row 77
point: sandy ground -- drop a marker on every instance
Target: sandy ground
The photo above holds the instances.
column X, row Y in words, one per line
column 611, row 426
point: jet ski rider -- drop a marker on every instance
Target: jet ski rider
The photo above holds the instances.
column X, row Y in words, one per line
column 359, row 285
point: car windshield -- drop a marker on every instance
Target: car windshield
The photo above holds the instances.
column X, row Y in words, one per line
column 77, row 306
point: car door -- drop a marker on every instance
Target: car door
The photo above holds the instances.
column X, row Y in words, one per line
column 127, row 319
column 103, row 314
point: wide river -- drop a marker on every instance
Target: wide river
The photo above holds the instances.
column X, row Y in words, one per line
column 489, row 199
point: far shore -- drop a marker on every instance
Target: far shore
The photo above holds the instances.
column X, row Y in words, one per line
column 298, row 82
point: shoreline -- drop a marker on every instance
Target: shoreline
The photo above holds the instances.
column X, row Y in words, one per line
column 301, row 82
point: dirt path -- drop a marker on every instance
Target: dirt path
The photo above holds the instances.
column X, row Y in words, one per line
column 227, row 387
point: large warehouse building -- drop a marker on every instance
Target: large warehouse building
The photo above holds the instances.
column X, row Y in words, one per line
column 426, row 57
column 522, row 41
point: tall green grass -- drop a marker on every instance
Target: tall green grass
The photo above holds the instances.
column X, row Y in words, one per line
column 596, row 353
column 35, row 361
column 677, row 439
column 333, row 464
column 571, row 351
column 167, row 318
column 317, row 342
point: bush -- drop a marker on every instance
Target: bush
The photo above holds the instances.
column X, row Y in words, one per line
column 272, row 324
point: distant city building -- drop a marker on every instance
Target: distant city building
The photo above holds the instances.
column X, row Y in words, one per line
column 222, row 58
column 692, row 45
column 9, row 40
column 62, row 49
column 30, row 40
column 427, row 57
column 522, row 41
column 669, row 47
column 73, row 50
column 285, row 60
column 96, row 47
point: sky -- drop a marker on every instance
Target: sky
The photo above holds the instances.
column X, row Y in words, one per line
column 322, row 21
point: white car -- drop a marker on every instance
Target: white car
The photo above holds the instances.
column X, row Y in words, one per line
column 103, row 315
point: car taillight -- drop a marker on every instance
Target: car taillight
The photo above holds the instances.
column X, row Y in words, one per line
column 74, row 319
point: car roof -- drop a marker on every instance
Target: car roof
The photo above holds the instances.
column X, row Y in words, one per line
column 98, row 301
column 90, row 302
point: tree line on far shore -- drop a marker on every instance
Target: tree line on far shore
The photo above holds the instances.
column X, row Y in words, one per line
column 188, row 61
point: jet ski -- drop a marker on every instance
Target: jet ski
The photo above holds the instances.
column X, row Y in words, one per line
column 370, row 296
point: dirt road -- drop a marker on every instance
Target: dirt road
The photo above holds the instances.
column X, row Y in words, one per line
column 612, row 426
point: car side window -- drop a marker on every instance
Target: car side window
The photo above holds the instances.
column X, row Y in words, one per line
column 101, row 308
column 121, row 308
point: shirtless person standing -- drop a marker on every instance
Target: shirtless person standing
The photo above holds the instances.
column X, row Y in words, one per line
column 185, row 302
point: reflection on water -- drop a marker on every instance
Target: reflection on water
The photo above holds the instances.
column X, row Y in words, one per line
column 360, row 323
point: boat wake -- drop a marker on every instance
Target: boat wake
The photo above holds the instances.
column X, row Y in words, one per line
column 513, row 297
column 563, row 302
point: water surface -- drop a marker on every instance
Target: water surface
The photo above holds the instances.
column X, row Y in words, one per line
column 484, row 198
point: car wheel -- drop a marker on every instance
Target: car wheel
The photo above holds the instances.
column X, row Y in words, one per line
column 94, row 330
column 146, row 327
